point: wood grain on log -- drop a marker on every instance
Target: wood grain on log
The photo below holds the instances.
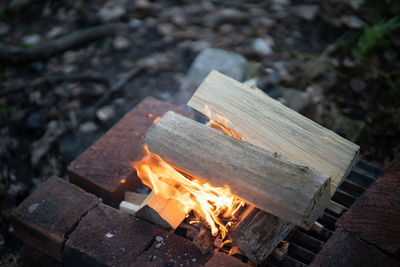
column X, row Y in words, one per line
column 280, row 186
column 266, row 123
column 204, row 240
column 258, row 233
column 254, row 240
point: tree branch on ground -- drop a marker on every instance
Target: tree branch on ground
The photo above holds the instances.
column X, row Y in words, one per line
column 85, row 77
column 15, row 54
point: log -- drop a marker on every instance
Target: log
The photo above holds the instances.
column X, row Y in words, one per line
column 135, row 198
column 204, row 241
column 268, row 124
column 258, row 233
column 168, row 213
column 281, row 252
column 280, row 186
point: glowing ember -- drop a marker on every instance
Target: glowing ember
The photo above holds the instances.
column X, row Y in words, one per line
column 209, row 202
column 156, row 119
column 224, row 127
column 150, row 115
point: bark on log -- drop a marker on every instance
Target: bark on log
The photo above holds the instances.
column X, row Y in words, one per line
column 280, row 186
column 204, row 241
column 258, row 233
column 268, row 124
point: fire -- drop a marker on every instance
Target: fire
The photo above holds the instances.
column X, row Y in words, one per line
column 224, row 127
column 150, row 115
column 209, row 202
column 206, row 200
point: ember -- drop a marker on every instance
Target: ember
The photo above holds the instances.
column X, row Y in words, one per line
column 225, row 127
column 150, row 115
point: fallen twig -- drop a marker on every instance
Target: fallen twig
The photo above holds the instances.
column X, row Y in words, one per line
column 120, row 84
column 85, row 77
column 16, row 5
column 15, row 54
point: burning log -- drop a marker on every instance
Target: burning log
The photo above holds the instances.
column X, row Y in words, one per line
column 257, row 233
column 168, row 213
column 281, row 252
column 266, row 123
column 204, row 241
column 283, row 187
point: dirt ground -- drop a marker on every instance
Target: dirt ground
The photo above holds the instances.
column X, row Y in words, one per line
column 343, row 53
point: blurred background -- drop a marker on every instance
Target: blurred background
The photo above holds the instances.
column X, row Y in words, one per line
column 70, row 69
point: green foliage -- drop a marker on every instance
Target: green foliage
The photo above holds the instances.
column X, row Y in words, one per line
column 390, row 82
column 376, row 36
column 3, row 110
column 393, row 6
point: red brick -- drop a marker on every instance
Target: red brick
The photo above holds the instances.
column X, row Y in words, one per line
column 35, row 258
column 108, row 237
column 172, row 250
column 45, row 218
column 222, row 259
column 345, row 249
column 102, row 167
column 375, row 216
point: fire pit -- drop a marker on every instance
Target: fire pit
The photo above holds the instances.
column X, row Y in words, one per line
column 238, row 185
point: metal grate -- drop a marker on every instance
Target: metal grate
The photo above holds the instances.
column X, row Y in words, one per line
column 305, row 245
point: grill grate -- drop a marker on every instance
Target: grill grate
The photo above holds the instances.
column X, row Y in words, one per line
column 305, row 245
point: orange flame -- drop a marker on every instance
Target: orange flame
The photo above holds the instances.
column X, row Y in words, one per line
column 150, row 115
column 156, row 119
column 225, row 126
column 206, row 200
